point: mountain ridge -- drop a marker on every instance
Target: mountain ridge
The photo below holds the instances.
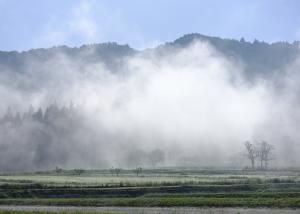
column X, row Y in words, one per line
column 183, row 37
column 260, row 58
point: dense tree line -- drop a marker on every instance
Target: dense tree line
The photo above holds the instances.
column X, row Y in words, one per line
column 38, row 138
column 65, row 137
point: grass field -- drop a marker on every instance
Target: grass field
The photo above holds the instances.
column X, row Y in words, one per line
column 154, row 188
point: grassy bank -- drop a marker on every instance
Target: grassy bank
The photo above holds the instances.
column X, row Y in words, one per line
column 278, row 202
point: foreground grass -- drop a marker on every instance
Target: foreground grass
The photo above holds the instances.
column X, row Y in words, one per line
column 157, row 177
column 284, row 202
column 278, row 189
column 242, row 191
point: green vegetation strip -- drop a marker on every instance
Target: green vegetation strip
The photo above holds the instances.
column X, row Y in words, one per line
column 272, row 191
column 230, row 195
column 283, row 202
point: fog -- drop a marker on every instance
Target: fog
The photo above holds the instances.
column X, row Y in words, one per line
column 190, row 106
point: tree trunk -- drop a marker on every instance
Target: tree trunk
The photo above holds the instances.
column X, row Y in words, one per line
column 252, row 163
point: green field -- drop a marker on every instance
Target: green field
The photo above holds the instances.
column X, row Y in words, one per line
column 154, row 188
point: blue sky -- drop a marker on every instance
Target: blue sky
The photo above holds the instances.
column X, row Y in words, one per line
column 26, row 24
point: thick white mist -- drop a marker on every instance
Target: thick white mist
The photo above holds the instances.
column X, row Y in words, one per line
column 192, row 103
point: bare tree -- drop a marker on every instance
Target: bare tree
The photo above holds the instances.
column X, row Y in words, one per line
column 138, row 170
column 58, row 170
column 79, row 171
column 265, row 154
column 115, row 171
column 111, row 170
column 252, row 153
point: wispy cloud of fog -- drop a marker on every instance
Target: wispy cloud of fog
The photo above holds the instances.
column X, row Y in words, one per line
column 90, row 21
column 193, row 105
column 79, row 24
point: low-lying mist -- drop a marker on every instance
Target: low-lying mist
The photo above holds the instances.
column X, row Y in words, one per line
column 189, row 106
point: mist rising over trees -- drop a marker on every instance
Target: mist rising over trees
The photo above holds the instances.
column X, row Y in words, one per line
column 190, row 102
column 55, row 136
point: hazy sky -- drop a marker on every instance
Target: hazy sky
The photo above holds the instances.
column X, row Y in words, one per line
column 26, row 24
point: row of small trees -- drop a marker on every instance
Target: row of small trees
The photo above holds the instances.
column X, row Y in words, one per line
column 117, row 171
column 261, row 151
column 75, row 171
column 113, row 171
